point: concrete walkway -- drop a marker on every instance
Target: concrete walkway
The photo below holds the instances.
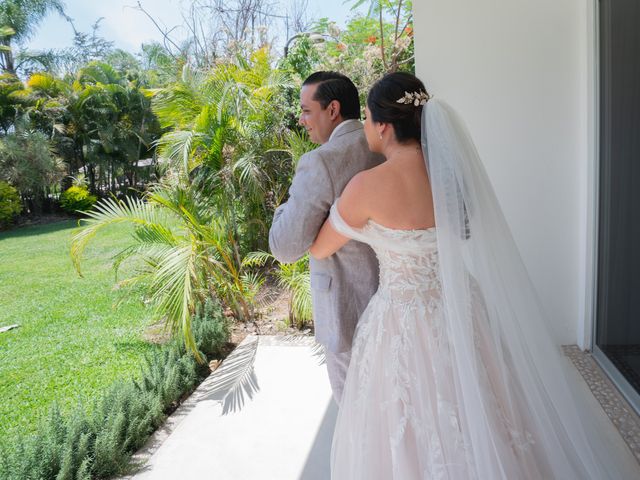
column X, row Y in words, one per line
column 266, row 413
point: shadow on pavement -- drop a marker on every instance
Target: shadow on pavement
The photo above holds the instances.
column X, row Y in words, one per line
column 317, row 466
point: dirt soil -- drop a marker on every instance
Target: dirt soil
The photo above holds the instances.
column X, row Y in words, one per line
column 272, row 318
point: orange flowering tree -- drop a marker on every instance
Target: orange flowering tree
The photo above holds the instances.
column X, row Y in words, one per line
column 395, row 31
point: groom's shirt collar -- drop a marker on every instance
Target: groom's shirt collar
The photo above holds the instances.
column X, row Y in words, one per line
column 342, row 126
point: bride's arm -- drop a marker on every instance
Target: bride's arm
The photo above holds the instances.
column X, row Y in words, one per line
column 352, row 208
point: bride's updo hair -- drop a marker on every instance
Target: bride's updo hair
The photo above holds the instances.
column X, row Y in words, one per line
column 404, row 116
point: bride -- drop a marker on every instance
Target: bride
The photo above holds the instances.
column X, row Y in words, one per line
column 453, row 374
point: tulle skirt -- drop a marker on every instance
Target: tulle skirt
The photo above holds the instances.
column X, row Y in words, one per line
column 400, row 417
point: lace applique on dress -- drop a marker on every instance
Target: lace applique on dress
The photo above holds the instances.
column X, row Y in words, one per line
column 399, row 418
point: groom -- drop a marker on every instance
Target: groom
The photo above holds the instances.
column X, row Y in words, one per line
column 342, row 284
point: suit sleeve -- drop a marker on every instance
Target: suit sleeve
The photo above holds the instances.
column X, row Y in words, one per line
column 296, row 222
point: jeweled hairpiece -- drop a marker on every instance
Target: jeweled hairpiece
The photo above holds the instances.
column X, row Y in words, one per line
column 417, row 98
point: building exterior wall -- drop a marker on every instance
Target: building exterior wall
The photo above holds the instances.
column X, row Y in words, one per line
column 521, row 74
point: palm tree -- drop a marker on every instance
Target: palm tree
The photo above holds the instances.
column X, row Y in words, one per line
column 223, row 131
column 185, row 254
column 98, row 120
column 192, row 231
column 9, row 85
column 18, row 21
column 28, row 163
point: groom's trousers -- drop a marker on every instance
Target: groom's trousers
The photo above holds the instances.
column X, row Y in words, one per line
column 337, row 366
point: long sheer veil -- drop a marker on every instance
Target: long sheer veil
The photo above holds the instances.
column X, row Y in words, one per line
column 482, row 271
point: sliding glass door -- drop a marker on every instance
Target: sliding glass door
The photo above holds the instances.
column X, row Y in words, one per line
column 617, row 336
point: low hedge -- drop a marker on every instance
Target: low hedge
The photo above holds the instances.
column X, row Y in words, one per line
column 97, row 441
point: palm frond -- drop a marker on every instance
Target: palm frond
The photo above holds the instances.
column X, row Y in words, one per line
column 178, row 147
column 251, row 283
column 298, row 144
column 108, row 212
column 172, row 290
column 300, row 286
column 256, row 259
column 6, row 31
column 251, row 176
column 151, row 255
column 296, row 278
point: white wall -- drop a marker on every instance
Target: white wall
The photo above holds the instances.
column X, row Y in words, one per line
column 518, row 72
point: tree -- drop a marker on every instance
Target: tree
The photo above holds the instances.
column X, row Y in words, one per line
column 99, row 121
column 220, row 29
column 10, row 203
column 224, row 137
column 192, row 229
column 26, row 161
column 394, row 38
column 19, row 19
column 369, row 46
column 9, row 84
column 186, row 252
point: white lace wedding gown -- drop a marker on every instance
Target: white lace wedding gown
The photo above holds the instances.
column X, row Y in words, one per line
column 399, row 417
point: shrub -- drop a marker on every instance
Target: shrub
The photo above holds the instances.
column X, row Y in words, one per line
column 10, row 203
column 77, row 199
column 211, row 329
column 98, row 442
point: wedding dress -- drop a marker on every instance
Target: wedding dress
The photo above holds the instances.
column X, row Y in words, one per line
column 454, row 374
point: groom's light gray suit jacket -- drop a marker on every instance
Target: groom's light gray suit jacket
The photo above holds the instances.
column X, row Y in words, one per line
column 342, row 284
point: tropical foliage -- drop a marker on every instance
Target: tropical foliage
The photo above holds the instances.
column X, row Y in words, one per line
column 187, row 146
column 187, row 251
column 294, row 277
column 96, row 439
column 10, row 204
column 224, row 128
column 193, row 146
column 368, row 47
column 27, row 162
column 18, row 21
column 77, row 199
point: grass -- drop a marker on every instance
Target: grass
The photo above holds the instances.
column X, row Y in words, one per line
column 73, row 340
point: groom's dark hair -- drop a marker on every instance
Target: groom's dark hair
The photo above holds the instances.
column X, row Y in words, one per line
column 336, row 86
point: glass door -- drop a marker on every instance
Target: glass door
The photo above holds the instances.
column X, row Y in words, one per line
column 617, row 335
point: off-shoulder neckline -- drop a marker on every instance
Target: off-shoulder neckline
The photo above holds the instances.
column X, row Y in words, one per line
column 371, row 222
column 407, row 230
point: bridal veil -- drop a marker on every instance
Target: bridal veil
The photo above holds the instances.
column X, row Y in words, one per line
column 479, row 262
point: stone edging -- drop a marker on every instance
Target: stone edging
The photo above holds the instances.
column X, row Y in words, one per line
column 613, row 403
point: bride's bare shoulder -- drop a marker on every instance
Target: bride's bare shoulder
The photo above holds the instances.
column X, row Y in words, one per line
column 364, row 190
column 364, row 183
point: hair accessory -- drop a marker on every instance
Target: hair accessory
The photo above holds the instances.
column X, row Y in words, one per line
column 417, row 98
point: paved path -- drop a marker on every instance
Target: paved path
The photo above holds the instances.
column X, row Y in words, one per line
column 277, row 426
column 267, row 414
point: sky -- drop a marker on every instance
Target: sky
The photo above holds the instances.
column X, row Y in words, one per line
column 128, row 28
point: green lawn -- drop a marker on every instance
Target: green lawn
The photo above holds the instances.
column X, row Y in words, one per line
column 72, row 340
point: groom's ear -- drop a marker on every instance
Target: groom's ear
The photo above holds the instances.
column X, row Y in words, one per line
column 334, row 109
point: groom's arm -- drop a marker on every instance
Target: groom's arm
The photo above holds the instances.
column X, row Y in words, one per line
column 296, row 222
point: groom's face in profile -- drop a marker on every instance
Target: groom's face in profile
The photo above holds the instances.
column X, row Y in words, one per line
column 319, row 122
